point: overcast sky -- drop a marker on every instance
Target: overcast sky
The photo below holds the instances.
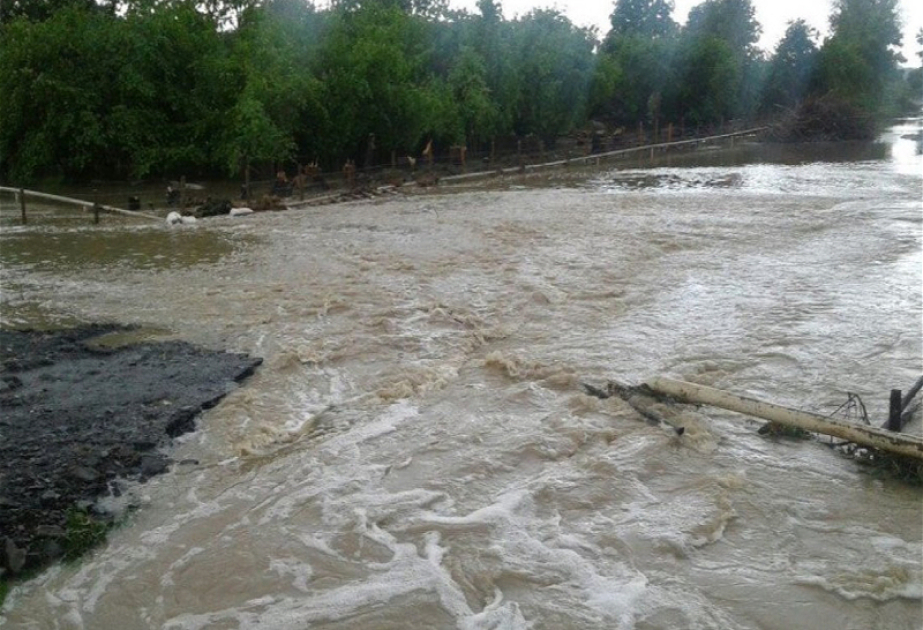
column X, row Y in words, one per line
column 773, row 15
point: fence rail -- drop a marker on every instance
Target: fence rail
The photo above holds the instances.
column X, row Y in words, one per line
column 22, row 193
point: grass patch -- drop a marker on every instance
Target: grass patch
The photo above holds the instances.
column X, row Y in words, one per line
column 82, row 533
column 773, row 429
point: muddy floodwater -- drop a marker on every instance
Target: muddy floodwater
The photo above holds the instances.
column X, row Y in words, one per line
column 416, row 451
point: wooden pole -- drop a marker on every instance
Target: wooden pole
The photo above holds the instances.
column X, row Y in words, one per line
column 905, row 411
column 894, row 411
column 899, row 443
column 247, row 178
column 22, row 204
column 182, row 194
column 96, row 209
column 913, row 391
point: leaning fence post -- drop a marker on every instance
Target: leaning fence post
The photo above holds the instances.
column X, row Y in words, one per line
column 894, row 411
column 182, row 194
column 22, row 204
column 247, row 178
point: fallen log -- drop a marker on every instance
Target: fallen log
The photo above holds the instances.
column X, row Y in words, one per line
column 873, row 437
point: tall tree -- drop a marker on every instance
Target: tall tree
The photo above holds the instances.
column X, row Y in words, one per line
column 634, row 63
column 55, row 80
column 373, row 70
column 555, row 64
column 718, row 64
column 859, row 59
column 649, row 19
column 792, row 66
column 39, row 10
column 731, row 21
column 277, row 97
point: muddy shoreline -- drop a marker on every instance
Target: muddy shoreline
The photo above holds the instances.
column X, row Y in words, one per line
column 79, row 419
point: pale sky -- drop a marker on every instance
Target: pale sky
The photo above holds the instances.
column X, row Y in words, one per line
column 773, row 15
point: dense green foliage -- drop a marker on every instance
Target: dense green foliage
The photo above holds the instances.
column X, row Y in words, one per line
column 138, row 88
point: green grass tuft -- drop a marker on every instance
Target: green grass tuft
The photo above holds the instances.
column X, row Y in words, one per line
column 82, row 533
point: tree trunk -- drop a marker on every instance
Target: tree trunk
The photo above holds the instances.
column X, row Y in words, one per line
column 898, row 443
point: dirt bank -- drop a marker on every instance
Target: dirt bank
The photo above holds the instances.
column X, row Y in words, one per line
column 76, row 418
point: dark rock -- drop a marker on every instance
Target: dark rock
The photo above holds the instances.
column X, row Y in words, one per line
column 14, row 557
column 52, row 550
column 49, row 531
column 50, row 496
column 214, row 208
column 153, row 464
column 84, row 473
column 9, row 383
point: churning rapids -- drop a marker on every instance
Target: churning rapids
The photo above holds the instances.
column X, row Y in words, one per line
column 416, row 451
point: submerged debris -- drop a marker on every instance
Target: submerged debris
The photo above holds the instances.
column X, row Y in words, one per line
column 904, row 463
column 825, row 118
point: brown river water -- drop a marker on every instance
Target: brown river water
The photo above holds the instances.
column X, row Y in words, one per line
column 416, row 451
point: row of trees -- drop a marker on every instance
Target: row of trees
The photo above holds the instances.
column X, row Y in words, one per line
column 137, row 88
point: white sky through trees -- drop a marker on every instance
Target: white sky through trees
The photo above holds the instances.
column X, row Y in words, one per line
column 773, row 15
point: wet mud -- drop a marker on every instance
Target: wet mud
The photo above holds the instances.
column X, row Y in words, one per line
column 79, row 420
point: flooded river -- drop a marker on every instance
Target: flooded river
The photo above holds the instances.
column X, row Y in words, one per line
column 416, row 451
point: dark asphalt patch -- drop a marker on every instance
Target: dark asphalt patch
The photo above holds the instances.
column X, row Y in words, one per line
column 75, row 417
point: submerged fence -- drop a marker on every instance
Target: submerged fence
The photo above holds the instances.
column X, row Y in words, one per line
column 507, row 155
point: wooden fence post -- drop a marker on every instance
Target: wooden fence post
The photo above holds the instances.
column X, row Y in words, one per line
column 182, row 194
column 247, row 178
column 22, row 204
column 894, row 411
column 96, row 209
column 913, row 391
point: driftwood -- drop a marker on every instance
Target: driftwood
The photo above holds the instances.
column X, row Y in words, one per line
column 868, row 436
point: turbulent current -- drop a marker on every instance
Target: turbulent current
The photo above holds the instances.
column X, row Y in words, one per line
column 417, row 451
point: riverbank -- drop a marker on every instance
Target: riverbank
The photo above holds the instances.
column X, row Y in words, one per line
column 81, row 420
